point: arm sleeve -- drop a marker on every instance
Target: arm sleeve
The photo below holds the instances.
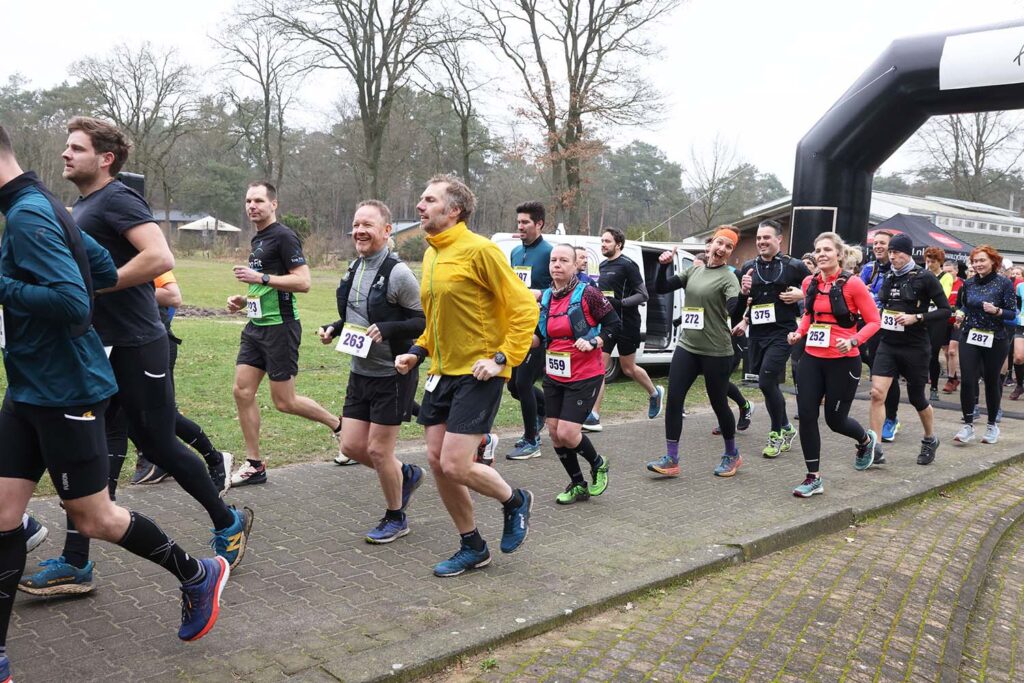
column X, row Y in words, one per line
column 404, row 290
column 938, row 297
column 635, row 284
column 610, row 326
column 515, row 302
column 864, row 303
column 101, row 265
column 663, row 284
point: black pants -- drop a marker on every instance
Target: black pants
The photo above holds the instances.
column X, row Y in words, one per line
column 835, row 380
column 978, row 362
column 523, row 388
column 684, row 370
column 938, row 337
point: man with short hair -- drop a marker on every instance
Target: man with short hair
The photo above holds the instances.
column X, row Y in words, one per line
column 772, row 282
column 59, row 383
column 270, row 342
column 128, row 323
column 480, row 323
column 622, row 284
column 530, row 263
column 873, row 275
column 381, row 316
column 582, row 265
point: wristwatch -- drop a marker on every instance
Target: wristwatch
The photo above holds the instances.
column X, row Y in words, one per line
column 854, row 342
column 499, row 358
column 920, row 317
column 265, row 279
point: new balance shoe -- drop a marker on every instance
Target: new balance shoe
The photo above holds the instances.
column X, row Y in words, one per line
column 664, row 466
column 788, row 434
column 219, row 466
column 57, row 577
column 991, row 434
column 200, row 604
column 517, row 523
column 344, row 460
column 729, row 465
column 599, row 475
column 35, row 533
column 525, row 449
column 811, row 486
column 462, row 561
column 388, row 530
column 774, row 446
column 247, row 474
column 592, row 423
column 412, row 477
column 889, row 430
column 965, row 435
column 230, row 542
column 928, row 449
column 746, row 415
column 656, row 403
column 866, row 452
column 574, row 493
column 485, row 451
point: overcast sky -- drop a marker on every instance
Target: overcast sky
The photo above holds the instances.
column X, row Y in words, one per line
column 758, row 74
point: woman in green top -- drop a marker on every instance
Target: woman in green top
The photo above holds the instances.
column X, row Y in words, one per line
column 705, row 348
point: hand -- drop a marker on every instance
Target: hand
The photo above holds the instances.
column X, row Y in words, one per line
column 791, row 295
column 989, row 308
column 236, row 302
column 485, row 369
column 843, row 345
column 247, row 275
column 325, row 334
column 374, row 333
column 906, row 319
column 746, row 282
column 740, row 329
column 698, row 261
column 793, row 338
column 405, row 362
column 583, row 345
column 668, row 257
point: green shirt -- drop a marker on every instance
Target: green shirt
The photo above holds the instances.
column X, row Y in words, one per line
column 709, row 289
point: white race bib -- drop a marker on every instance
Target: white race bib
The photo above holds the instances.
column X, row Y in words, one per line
column 559, row 364
column 608, row 294
column 432, row 381
column 354, row 341
column 819, row 336
column 762, row 314
column 524, row 273
column 693, row 319
column 253, row 307
column 889, row 321
column 981, row 338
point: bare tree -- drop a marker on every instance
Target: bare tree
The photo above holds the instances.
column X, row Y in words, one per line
column 376, row 43
column 150, row 94
column 598, row 43
column 710, row 181
column 973, row 152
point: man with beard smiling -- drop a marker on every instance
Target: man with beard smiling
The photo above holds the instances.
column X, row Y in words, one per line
column 381, row 316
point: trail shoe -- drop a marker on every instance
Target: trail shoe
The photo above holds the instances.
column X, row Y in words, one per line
column 592, row 423
column 230, row 542
column 812, row 486
column 200, row 604
column 928, row 448
column 485, row 451
column 599, row 475
column 965, row 435
column 574, row 493
column 991, row 434
column 220, row 470
column 889, row 430
column 57, row 577
column 412, row 477
column 388, row 530
column 462, row 561
column 247, row 475
column 746, row 415
column 656, row 403
column 517, row 524
column 729, row 465
column 35, row 533
column 774, row 445
column 525, row 449
column 866, row 452
column 665, row 466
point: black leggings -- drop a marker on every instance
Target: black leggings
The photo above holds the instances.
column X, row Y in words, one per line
column 184, row 428
column 523, row 388
column 979, row 362
column 835, row 380
column 684, row 370
column 937, row 336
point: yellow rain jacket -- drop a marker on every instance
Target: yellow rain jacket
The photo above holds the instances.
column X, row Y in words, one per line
column 474, row 303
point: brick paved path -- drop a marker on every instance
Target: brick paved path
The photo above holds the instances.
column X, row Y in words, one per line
column 312, row 600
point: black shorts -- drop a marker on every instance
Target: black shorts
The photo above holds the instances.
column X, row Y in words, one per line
column 272, row 348
column 380, row 400
column 462, row 403
column 769, row 355
column 627, row 341
column 909, row 361
column 571, row 401
column 71, row 443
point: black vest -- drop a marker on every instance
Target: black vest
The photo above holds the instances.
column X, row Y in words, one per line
column 908, row 297
column 378, row 308
column 840, row 310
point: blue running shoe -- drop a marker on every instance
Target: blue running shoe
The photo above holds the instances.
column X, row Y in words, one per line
column 812, row 486
column 462, row 561
column 517, row 524
column 656, row 403
column 525, row 449
column 889, row 429
column 664, row 466
column 200, row 604
column 230, row 542
column 412, row 477
column 57, row 577
column 729, row 465
column 388, row 530
column 35, row 533
column 592, row 423
column 866, row 452
column 5, row 669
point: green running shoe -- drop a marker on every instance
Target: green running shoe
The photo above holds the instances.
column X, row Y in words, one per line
column 600, row 476
column 574, row 493
column 774, row 446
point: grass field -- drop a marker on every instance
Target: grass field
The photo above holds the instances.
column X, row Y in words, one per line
column 206, row 361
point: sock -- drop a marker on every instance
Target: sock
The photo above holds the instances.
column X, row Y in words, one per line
column 672, row 448
column 12, row 564
column 730, row 447
column 928, row 439
column 473, row 540
column 394, row 515
column 145, row 539
column 337, row 430
column 76, row 547
column 587, row 450
column 515, row 501
column 571, row 464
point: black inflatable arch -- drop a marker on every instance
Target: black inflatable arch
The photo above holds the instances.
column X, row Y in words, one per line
column 978, row 69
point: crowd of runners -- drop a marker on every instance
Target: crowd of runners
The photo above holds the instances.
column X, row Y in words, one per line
column 89, row 298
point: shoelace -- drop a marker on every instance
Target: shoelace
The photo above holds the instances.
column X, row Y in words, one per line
column 809, row 481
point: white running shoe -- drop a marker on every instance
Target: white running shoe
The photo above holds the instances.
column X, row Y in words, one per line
column 342, row 459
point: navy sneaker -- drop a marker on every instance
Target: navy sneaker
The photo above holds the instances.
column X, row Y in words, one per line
column 462, row 561
column 5, row 669
column 200, row 604
column 35, row 533
column 656, row 403
column 230, row 542
column 412, row 477
column 525, row 449
column 592, row 423
column 746, row 415
column 517, row 524
column 57, row 577
column 388, row 530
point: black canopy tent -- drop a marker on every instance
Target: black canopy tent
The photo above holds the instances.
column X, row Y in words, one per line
column 925, row 234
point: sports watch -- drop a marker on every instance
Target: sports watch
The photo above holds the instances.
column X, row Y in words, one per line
column 265, row 279
column 499, row 358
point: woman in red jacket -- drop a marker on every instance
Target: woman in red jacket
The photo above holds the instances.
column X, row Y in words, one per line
column 830, row 368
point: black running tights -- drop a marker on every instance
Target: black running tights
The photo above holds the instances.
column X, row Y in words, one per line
column 835, row 380
column 684, row 370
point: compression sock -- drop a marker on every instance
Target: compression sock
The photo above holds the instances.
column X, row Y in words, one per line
column 586, row 449
column 76, row 546
column 473, row 540
column 672, row 449
column 394, row 515
column 145, row 539
column 571, row 463
column 12, row 564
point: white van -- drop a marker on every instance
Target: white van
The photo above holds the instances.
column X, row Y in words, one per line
column 660, row 317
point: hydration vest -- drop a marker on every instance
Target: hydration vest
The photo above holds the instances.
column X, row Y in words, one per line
column 378, row 308
column 837, row 301
column 907, row 294
column 581, row 329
